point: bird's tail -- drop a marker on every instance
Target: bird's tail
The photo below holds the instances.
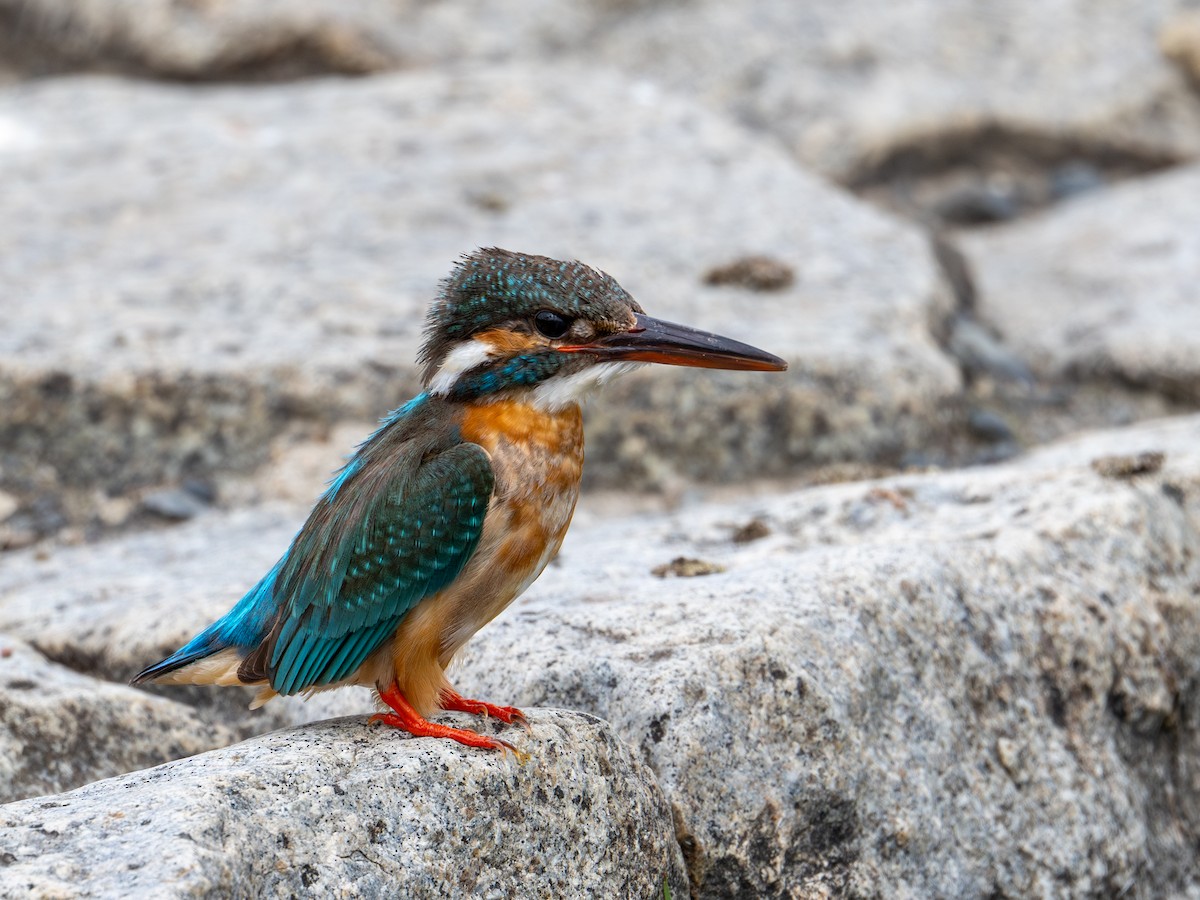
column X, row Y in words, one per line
column 202, row 646
column 239, row 630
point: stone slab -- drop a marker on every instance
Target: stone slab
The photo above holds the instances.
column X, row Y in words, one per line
column 190, row 271
column 960, row 684
column 338, row 809
column 868, row 88
column 60, row 729
column 853, row 88
column 1103, row 289
column 953, row 683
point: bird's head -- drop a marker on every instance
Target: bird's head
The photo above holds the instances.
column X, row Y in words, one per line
column 508, row 323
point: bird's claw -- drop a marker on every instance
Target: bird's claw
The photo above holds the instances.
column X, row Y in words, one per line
column 509, row 715
column 408, row 719
column 462, row 736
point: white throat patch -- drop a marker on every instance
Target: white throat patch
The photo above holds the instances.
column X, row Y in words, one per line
column 463, row 358
column 560, row 391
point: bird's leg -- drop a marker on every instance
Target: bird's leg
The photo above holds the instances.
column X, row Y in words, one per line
column 452, row 699
column 408, row 719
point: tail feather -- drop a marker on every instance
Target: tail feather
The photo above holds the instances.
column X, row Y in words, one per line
column 200, row 647
column 241, row 629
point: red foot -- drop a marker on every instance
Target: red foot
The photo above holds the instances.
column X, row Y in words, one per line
column 408, row 719
column 506, row 714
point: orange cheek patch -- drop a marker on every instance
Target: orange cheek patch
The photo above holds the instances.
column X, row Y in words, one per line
column 508, row 343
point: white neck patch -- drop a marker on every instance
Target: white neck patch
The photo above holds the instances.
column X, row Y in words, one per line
column 560, row 391
column 553, row 395
column 463, row 358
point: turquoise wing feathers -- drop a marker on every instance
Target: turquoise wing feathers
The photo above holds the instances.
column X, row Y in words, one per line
column 377, row 546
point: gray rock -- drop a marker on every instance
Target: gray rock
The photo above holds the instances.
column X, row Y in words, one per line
column 174, row 504
column 1074, row 178
column 868, row 88
column 953, row 684
column 989, row 426
column 339, row 809
column 857, row 89
column 60, row 729
column 256, row 39
column 966, row 684
column 1102, row 288
column 194, row 270
column 982, row 354
column 44, row 37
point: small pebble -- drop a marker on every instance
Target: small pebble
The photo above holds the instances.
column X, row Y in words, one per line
column 1130, row 465
column 175, row 504
column 683, row 567
column 1009, row 755
column 988, row 426
column 982, row 353
column 758, row 273
column 204, row 491
column 754, row 530
column 978, row 204
column 1074, row 178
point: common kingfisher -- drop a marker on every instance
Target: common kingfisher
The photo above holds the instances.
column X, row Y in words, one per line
column 455, row 504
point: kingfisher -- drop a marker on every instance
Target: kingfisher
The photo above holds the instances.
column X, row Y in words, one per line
column 455, row 504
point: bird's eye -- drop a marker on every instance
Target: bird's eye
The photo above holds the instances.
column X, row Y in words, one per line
column 551, row 324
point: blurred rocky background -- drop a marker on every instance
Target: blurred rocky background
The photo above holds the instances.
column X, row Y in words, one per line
column 919, row 618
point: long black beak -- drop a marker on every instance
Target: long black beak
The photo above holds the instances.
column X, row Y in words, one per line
column 656, row 341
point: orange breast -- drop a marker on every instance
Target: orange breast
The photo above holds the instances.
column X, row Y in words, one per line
column 537, row 458
column 532, row 450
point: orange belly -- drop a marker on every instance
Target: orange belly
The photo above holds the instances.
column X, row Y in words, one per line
column 538, row 459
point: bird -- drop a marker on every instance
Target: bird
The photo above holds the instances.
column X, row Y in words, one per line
column 455, row 504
